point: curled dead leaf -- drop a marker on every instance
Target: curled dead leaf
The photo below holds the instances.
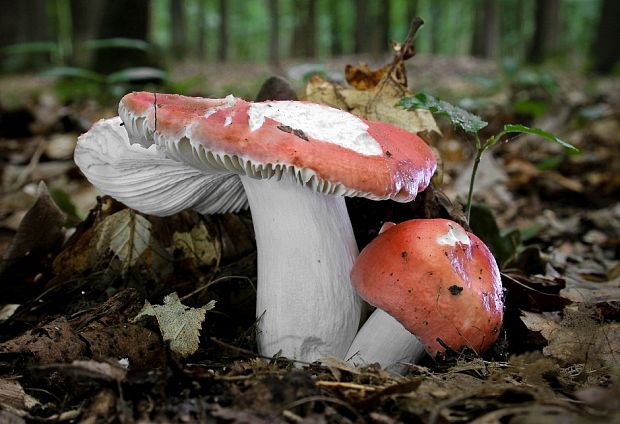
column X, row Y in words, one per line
column 376, row 104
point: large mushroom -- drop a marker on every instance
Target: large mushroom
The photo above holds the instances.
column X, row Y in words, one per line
column 295, row 161
column 435, row 286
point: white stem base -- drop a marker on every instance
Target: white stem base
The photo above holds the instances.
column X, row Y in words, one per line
column 384, row 340
column 306, row 304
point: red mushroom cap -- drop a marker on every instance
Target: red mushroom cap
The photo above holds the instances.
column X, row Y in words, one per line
column 439, row 281
column 379, row 161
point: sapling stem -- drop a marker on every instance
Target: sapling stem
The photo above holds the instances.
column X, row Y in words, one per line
column 480, row 148
column 472, row 124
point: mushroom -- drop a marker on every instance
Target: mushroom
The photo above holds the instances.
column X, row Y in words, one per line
column 144, row 179
column 295, row 161
column 435, row 286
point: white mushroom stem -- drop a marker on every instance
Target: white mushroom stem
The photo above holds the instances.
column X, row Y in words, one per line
column 306, row 305
column 382, row 339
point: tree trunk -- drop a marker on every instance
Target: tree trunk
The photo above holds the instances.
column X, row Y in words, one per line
column 86, row 15
column 606, row 46
column 382, row 33
column 361, row 27
column 486, row 29
column 336, row 47
column 547, row 21
column 436, row 7
column 311, row 30
column 128, row 19
column 304, row 33
column 274, row 32
column 222, row 52
column 22, row 22
column 411, row 11
column 177, row 22
column 201, row 29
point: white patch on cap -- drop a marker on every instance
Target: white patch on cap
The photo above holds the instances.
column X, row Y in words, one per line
column 321, row 122
column 453, row 236
column 229, row 101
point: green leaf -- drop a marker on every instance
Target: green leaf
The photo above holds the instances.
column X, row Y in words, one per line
column 522, row 129
column 550, row 163
column 503, row 246
column 139, row 74
column 72, row 72
column 64, row 202
column 460, row 118
column 117, row 43
column 31, row 47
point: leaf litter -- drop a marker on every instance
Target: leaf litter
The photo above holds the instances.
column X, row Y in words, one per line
column 70, row 348
column 180, row 325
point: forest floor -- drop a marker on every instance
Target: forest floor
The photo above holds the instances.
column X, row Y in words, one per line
column 72, row 350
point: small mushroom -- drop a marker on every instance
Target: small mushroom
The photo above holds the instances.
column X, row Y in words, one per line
column 435, row 286
column 295, row 161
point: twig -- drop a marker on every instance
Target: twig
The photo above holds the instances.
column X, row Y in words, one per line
column 252, row 353
column 32, row 164
column 219, row 280
column 345, row 385
column 309, row 399
column 407, row 46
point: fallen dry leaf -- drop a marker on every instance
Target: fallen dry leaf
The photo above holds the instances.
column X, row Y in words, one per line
column 127, row 235
column 377, row 104
column 40, row 234
column 179, row 324
column 198, row 245
column 577, row 338
column 362, row 77
column 13, row 396
column 101, row 334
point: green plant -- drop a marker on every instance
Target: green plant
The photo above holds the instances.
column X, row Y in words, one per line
column 75, row 83
column 471, row 124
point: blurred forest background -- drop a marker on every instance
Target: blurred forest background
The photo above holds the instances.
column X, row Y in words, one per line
column 103, row 42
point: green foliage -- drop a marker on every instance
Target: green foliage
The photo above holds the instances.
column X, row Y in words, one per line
column 550, row 163
column 49, row 47
column 137, row 75
column 460, row 118
column 508, row 247
column 522, row 129
column 471, row 124
column 117, row 43
column 73, row 72
column 65, row 204
column 503, row 246
column 77, row 83
column 532, row 107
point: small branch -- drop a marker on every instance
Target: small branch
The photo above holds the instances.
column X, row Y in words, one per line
column 406, row 51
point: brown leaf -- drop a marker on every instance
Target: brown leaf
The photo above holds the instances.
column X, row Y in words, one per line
column 40, row 235
column 376, row 104
column 101, row 334
column 52, row 342
column 362, row 77
column 115, row 343
column 531, row 293
column 12, row 395
column 577, row 338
